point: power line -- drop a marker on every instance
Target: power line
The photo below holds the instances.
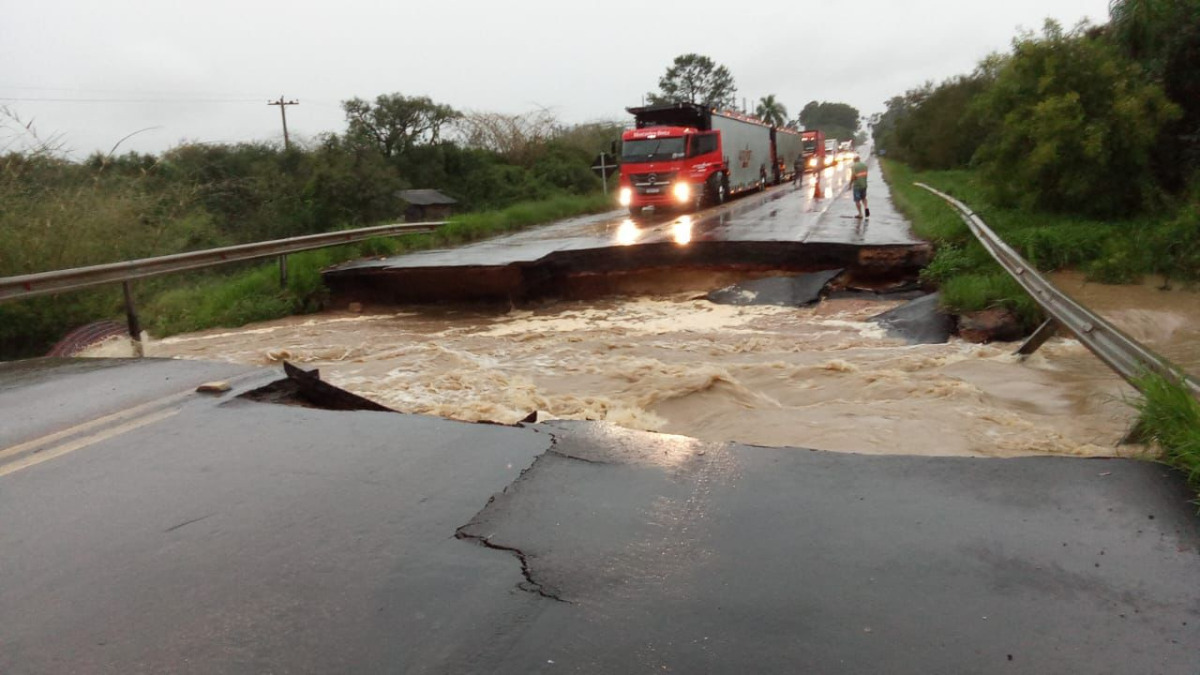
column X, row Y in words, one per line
column 130, row 92
column 189, row 101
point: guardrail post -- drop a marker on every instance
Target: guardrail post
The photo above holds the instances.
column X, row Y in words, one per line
column 135, row 328
column 283, row 271
column 1044, row 332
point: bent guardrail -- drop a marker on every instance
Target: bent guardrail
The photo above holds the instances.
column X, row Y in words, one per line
column 1118, row 351
column 45, row 283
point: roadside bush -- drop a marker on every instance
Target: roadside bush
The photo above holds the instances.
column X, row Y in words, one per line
column 1174, row 249
column 954, row 260
column 1073, row 126
column 943, row 130
column 986, row 290
column 1170, row 416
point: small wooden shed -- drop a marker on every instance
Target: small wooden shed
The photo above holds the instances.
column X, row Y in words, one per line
column 426, row 205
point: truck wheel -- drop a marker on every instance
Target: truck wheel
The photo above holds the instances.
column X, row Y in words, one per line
column 717, row 189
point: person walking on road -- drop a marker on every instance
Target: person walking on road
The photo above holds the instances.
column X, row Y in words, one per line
column 859, row 183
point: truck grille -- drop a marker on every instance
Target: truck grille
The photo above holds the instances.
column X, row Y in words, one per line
column 651, row 183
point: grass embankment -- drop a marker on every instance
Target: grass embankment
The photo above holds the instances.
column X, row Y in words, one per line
column 1170, row 417
column 255, row 295
column 1110, row 252
column 221, row 298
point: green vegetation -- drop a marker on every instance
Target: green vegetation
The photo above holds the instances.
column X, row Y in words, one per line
column 1111, row 251
column 1170, row 417
column 695, row 78
column 1071, row 125
column 1081, row 149
column 255, row 295
column 1060, row 146
column 506, row 171
column 837, row 120
column 771, row 111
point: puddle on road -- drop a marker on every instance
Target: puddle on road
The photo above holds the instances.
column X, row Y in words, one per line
column 820, row 377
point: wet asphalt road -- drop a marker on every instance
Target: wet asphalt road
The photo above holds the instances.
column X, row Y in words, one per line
column 240, row 537
column 785, row 214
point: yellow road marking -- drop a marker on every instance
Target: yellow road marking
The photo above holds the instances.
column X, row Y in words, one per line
column 85, row 426
column 107, row 419
column 79, row 443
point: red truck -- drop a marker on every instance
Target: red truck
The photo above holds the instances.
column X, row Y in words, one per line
column 814, row 156
column 685, row 155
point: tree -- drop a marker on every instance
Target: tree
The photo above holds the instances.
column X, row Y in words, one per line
column 519, row 138
column 695, row 79
column 1073, row 126
column 939, row 127
column 1164, row 37
column 837, row 120
column 395, row 123
column 1145, row 27
column 771, row 111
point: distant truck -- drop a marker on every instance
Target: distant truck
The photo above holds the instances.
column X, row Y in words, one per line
column 846, row 151
column 789, row 147
column 831, row 151
column 685, row 155
column 813, row 154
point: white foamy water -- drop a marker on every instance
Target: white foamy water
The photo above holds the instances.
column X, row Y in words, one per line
column 820, row 377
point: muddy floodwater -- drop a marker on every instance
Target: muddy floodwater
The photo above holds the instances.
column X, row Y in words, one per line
column 822, row 377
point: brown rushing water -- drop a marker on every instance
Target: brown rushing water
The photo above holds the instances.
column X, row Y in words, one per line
column 820, row 377
column 1166, row 320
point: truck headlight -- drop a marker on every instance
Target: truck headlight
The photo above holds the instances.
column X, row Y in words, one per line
column 625, row 196
column 683, row 191
column 812, row 161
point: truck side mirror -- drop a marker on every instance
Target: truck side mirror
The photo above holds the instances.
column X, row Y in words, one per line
column 613, row 149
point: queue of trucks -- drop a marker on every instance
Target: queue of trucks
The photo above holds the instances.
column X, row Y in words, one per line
column 688, row 156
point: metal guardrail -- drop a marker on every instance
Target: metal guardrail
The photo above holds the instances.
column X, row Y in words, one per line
column 1117, row 350
column 43, row 283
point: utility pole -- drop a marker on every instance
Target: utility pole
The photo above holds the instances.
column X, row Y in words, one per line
column 287, row 145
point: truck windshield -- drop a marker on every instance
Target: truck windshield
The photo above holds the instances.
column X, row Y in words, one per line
column 652, row 149
column 810, row 147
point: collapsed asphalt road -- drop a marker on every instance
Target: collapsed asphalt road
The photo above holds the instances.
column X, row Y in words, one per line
column 795, row 228
column 237, row 536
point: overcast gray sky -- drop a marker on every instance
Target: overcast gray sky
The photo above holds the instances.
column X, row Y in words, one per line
column 93, row 71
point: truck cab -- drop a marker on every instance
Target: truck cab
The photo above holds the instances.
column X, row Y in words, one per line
column 667, row 167
column 813, row 151
column 831, row 151
column 686, row 155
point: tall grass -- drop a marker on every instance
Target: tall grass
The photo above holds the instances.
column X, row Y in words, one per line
column 1109, row 251
column 1170, row 417
column 255, row 295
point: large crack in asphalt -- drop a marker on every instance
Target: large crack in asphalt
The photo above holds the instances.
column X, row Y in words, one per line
column 575, row 442
column 531, row 584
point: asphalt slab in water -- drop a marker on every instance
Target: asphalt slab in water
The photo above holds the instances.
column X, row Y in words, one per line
column 244, row 537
